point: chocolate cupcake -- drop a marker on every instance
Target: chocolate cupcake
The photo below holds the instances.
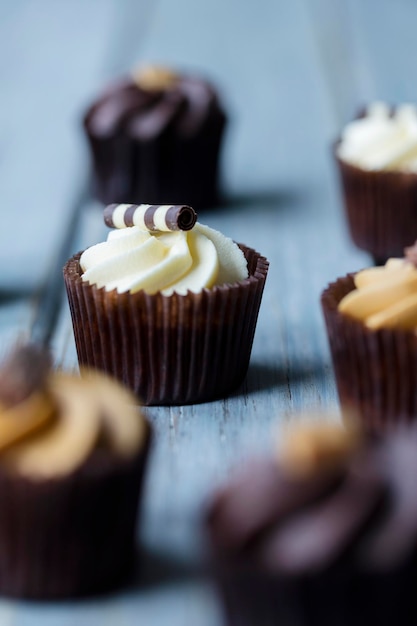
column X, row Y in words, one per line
column 371, row 320
column 72, row 460
column 166, row 305
column 324, row 535
column 377, row 161
column 156, row 136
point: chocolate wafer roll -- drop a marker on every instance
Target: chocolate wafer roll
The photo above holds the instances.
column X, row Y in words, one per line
column 152, row 217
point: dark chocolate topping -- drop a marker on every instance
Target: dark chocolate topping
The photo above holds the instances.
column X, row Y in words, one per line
column 364, row 513
column 23, row 372
column 246, row 509
column 322, row 533
column 145, row 114
column 114, row 108
column 151, row 122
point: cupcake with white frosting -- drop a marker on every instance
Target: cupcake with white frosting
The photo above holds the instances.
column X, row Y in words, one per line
column 377, row 159
column 371, row 319
column 167, row 305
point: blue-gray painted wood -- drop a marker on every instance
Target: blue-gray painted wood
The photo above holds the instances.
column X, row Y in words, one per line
column 291, row 74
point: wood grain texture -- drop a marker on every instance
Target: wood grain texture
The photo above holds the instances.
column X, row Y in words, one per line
column 291, row 73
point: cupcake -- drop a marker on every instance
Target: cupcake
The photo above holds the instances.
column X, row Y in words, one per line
column 377, row 160
column 72, row 459
column 324, row 534
column 156, row 135
column 166, row 305
column 371, row 320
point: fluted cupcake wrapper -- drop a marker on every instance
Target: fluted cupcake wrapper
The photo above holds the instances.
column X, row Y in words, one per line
column 167, row 167
column 381, row 209
column 176, row 349
column 346, row 595
column 252, row 597
column 73, row 535
column 376, row 371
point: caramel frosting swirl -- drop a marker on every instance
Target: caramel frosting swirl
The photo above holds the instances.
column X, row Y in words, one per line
column 64, row 420
column 385, row 297
column 179, row 261
column 383, row 139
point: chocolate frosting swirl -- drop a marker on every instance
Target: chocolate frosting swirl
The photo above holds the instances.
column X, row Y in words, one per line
column 145, row 114
column 364, row 513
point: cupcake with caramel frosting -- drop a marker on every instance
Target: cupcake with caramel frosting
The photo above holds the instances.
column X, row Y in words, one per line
column 371, row 319
column 72, row 458
column 167, row 305
column 325, row 533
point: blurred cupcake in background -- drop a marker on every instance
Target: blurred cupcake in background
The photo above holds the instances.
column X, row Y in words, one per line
column 377, row 161
column 324, row 533
column 156, row 137
column 73, row 453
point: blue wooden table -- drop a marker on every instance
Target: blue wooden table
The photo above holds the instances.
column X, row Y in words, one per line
column 291, row 73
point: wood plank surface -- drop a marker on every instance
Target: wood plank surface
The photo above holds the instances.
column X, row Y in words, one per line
column 291, row 74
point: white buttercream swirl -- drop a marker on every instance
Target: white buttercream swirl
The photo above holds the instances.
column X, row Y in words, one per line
column 132, row 259
column 382, row 140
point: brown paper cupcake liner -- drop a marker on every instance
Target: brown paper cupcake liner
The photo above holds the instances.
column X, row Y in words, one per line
column 164, row 170
column 376, row 371
column 342, row 597
column 189, row 171
column 73, row 535
column 169, row 349
column 381, row 209
column 250, row 596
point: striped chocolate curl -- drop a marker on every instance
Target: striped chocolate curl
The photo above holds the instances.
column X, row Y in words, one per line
column 151, row 217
